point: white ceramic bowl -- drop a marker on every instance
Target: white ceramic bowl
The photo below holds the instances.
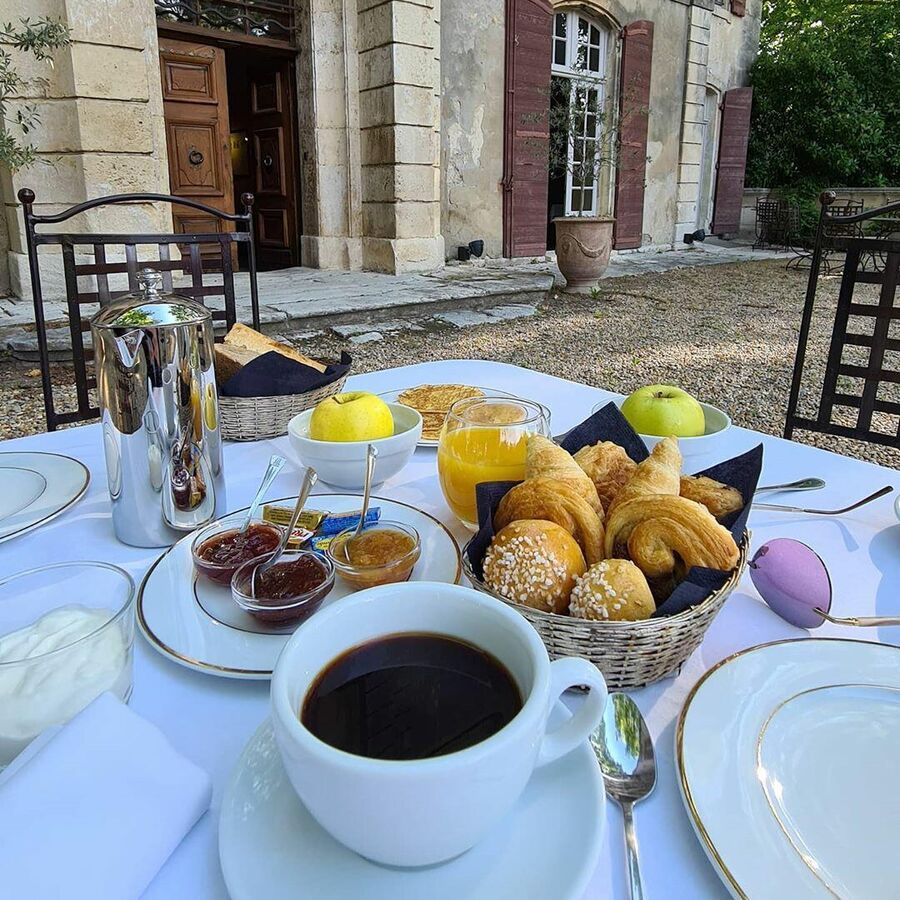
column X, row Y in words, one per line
column 343, row 463
column 698, row 452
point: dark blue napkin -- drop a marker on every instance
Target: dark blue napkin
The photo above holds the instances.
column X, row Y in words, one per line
column 608, row 424
column 274, row 375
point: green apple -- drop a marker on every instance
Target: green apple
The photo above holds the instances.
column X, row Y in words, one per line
column 661, row 410
column 354, row 416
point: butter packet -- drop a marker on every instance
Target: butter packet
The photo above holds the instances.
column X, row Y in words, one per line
column 335, row 523
column 310, row 519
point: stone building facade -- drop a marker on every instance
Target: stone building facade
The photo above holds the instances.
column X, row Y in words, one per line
column 397, row 137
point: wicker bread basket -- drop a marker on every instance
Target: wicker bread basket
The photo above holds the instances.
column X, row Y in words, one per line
column 257, row 418
column 629, row 654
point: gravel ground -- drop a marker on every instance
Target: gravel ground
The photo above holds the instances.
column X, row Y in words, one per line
column 726, row 333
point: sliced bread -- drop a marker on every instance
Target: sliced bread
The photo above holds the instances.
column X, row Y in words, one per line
column 243, row 338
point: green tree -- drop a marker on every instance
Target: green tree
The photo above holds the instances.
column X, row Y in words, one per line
column 826, row 108
column 41, row 38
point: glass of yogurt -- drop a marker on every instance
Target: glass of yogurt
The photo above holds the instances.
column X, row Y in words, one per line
column 66, row 636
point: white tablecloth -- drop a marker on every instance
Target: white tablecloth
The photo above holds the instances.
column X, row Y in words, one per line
column 210, row 719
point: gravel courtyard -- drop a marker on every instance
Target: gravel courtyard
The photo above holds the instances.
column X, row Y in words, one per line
column 726, row 333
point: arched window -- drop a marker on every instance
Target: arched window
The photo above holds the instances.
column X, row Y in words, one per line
column 580, row 117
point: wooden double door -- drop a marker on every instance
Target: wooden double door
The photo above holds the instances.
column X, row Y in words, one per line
column 227, row 138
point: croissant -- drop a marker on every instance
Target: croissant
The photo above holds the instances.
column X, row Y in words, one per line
column 663, row 535
column 659, row 473
column 556, row 501
column 608, row 466
column 543, row 457
column 718, row 498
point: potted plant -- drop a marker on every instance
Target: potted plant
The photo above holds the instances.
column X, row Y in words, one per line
column 584, row 144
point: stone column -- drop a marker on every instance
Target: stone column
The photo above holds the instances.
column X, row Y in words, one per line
column 399, row 89
column 697, row 61
column 329, row 135
column 101, row 128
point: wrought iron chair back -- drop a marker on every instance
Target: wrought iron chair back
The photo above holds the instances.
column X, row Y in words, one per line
column 196, row 256
column 844, row 234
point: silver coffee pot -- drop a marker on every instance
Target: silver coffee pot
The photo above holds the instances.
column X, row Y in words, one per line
column 153, row 353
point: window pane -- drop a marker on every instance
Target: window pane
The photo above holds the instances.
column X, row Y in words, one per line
column 594, row 60
column 561, row 25
column 575, row 199
column 587, row 201
column 582, row 30
column 559, row 52
column 595, row 35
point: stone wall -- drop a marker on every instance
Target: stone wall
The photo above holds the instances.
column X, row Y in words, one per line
column 101, row 127
column 472, row 63
column 869, row 197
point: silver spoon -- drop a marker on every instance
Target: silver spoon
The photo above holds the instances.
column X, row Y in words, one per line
column 624, row 750
column 826, row 512
column 804, row 484
column 276, row 464
column 309, row 479
column 859, row 621
column 371, row 456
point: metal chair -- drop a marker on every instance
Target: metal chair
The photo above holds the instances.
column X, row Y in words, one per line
column 196, row 256
column 843, row 234
column 840, row 223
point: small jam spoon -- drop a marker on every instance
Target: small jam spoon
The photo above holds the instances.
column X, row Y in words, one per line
column 804, row 484
column 309, row 479
column 276, row 464
column 371, row 456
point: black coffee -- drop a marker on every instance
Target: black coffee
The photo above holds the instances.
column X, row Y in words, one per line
column 410, row 696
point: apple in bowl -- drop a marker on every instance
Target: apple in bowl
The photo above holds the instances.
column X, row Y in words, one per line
column 335, row 444
column 659, row 410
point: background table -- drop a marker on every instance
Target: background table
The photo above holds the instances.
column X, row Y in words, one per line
column 210, row 719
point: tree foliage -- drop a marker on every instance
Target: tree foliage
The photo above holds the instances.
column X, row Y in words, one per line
column 40, row 38
column 826, row 105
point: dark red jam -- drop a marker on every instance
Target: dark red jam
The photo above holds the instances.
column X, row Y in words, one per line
column 221, row 555
column 286, row 581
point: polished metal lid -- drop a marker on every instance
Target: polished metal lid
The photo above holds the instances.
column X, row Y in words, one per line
column 151, row 307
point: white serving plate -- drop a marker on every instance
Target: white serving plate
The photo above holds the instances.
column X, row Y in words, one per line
column 546, row 847
column 787, row 755
column 36, row 487
column 394, row 397
column 196, row 623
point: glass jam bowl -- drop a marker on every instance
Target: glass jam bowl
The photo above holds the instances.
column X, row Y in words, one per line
column 66, row 636
column 291, row 591
column 381, row 558
column 219, row 549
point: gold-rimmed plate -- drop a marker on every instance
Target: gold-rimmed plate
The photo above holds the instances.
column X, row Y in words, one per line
column 37, row 487
column 429, row 437
column 196, row 623
column 787, row 761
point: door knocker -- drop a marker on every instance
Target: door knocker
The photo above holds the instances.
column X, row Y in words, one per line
column 195, row 157
column 268, row 162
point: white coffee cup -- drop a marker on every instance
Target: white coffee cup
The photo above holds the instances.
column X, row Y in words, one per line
column 420, row 812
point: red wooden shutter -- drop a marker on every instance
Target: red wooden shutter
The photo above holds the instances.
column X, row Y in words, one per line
column 526, row 127
column 738, row 7
column 634, row 108
column 733, row 137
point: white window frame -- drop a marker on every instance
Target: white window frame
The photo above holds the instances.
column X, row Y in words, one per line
column 569, row 69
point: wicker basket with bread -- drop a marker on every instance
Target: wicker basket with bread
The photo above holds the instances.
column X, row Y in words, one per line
column 255, row 418
column 621, row 561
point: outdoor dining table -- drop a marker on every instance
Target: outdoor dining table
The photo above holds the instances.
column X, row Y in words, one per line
column 210, row 719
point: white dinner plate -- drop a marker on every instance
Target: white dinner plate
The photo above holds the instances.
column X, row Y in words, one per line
column 546, row 847
column 36, row 487
column 394, row 397
column 787, row 755
column 196, row 623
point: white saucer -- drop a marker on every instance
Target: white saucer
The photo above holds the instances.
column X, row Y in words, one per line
column 35, row 487
column 787, row 754
column 545, row 849
column 196, row 623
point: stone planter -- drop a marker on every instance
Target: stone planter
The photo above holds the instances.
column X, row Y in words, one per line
column 583, row 246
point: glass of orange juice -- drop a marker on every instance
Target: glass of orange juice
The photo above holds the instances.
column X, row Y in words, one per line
column 484, row 439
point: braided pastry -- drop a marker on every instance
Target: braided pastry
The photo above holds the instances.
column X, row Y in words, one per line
column 608, row 466
column 659, row 473
column 556, row 501
column 543, row 457
column 669, row 535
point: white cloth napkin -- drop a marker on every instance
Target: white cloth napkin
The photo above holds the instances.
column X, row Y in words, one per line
column 94, row 811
